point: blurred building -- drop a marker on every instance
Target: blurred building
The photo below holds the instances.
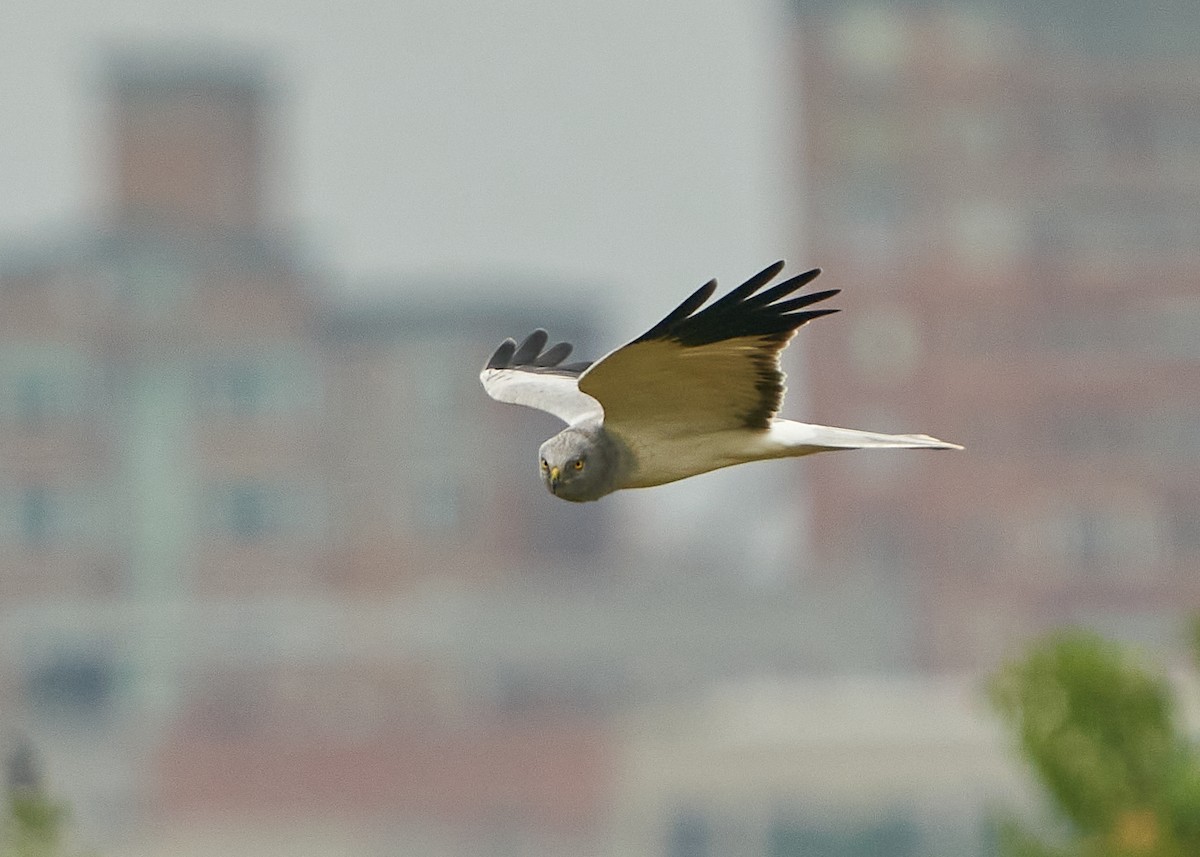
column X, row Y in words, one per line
column 160, row 395
column 223, row 490
column 1013, row 214
column 845, row 765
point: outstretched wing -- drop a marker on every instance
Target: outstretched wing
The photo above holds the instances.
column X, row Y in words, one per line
column 526, row 375
column 702, row 370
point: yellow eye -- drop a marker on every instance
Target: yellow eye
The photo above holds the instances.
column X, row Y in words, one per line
column 545, row 466
column 578, row 465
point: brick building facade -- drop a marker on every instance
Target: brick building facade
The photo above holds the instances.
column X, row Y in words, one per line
column 221, row 487
column 1014, row 222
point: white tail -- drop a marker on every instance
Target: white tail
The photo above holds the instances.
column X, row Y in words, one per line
column 803, row 438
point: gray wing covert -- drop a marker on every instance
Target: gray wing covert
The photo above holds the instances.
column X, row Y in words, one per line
column 532, row 375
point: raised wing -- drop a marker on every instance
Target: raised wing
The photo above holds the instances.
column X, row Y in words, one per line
column 705, row 370
column 527, row 375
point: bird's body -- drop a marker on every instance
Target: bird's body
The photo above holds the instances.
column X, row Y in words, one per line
column 697, row 392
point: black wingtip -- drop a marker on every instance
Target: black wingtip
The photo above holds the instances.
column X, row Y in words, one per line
column 770, row 272
column 693, row 302
column 802, row 301
column 748, row 310
column 809, row 315
column 747, row 289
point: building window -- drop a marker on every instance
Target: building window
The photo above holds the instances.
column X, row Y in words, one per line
column 440, row 506
column 1084, row 430
column 247, row 511
column 1173, row 328
column 153, row 286
column 873, row 200
column 1125, row 534
column 1177, row 135
column 244, row 387
column 1127, row 127
column 39, row 513
column 895, row 838
column 34, row 401
column 1185, row 529
column 230, row 706
column 42, row 384
column 74, row 684
column 980, row 136
column 690, row 836
column 441, row 478
column 281, row 379
column 1171, row 431
column 238, row 387
column 248, row 517
column 988, row 234
column 871, row 41
column 885, row 345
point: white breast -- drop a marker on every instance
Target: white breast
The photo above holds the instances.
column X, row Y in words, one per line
column 660, row 460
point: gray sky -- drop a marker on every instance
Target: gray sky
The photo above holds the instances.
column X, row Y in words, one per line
column 625, row 142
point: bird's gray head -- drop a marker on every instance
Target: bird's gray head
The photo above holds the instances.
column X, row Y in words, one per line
column 579, row 464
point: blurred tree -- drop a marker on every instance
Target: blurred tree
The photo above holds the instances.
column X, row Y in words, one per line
column 32, row 822
column 1100, row 733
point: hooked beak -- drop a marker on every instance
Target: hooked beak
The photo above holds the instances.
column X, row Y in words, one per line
column 554, row 479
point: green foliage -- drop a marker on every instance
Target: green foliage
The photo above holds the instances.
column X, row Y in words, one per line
column 32, row 825
column 1099, row 730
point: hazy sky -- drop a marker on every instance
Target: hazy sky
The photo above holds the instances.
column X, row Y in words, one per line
column 614, row 141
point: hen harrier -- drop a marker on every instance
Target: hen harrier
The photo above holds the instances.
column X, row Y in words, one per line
column 697, row 392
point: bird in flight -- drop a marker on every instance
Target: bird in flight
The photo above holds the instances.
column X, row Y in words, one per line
column 697, row 392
